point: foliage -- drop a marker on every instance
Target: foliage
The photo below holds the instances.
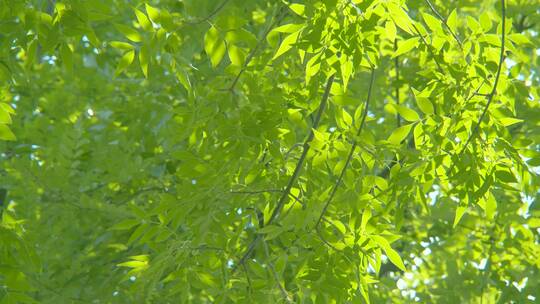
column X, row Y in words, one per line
column 330, row 151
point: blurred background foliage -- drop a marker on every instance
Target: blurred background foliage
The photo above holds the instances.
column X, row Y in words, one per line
column 146, row 145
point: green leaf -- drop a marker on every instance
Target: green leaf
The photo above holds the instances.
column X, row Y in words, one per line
column 288, row 28
column 491, row 206
column 485, row 22
column 408, row 114
column 298, row 9
column 6, row 108
column 519, row 39
column 152, row 12
column 433, row 23
column 125, row 224
column 121, row 45
column 144, row 59
column 460, row 211
column 236, row 55
column 271, row 231
column 505, row 176
column 390, row 30
column 129, row 33
column 346, row 69
column 126, row 60
column 184, row 80
column 508, row 121
column 347, row 118
column 133, row 264
column 452, row 21
column 406, row 46
column 214, row 46
column 393, row 256
column 399, row 134
column 5, row 133
column 5, row 117
column 67, row 56
column 400, row 18
column 313, row 66
column 423, row 103
column 287, row 44
column 143, row 20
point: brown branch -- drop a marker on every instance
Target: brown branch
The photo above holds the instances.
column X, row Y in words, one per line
column 494, row 89
column 296, row 173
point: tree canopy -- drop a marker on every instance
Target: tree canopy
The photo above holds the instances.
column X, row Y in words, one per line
column 325, row 151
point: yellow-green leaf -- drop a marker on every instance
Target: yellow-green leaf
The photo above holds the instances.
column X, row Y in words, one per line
column 236, row 55
column 143, row 20
column 408, row 114
column 508, row 121
column 406, row 46
column 121, row 45
column 152, row 12
column 125, row 61
column 5, row 133
column 144, row 60
column 129, row 33
column 298, row 9
column 134, row 264
column 392, row 255
column 452, row 21
column 399, row 134
column 390, row 29
column 286, row 44
column 460, row 211
column 214, row 46
column 423, row 103
column 400, row 17
column 433, row 23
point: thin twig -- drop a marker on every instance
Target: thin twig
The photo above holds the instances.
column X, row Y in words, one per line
column 250, row 288
column 210, row 16
column 494, row 89
column 282, row 289
column 349, row 157
column 296, row 198
column 428, row 46
column 443, row 20
column 396, row 66
column 280, row 15
column 297, row 169
column 256, row 191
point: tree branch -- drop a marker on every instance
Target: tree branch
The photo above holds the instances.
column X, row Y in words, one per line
column 296, row 173
column 494, row 89
column 396, row 66
column 210, row 16
column 349, row 157
column 280, row 15
column 282, row 289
